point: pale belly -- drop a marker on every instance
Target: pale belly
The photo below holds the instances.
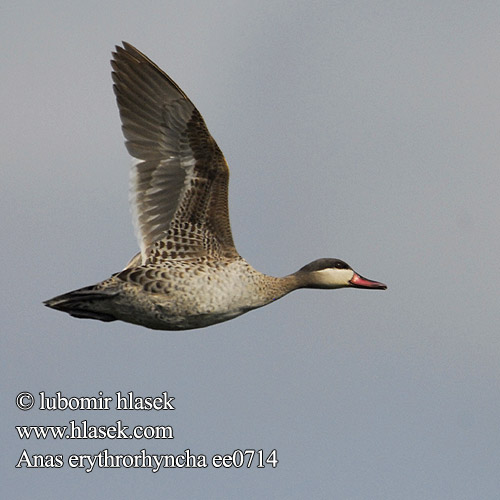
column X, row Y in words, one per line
column 191, row 299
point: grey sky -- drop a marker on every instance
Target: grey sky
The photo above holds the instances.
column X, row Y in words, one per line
column 366, row 131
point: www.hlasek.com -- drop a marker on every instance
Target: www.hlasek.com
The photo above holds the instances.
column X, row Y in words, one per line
column 118, row 430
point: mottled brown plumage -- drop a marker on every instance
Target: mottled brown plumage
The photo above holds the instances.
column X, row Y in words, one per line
column 165, row 131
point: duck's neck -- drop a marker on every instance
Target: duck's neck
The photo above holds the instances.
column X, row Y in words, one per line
column 273, row 288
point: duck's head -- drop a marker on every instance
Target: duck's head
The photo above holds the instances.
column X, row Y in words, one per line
column 334, row 273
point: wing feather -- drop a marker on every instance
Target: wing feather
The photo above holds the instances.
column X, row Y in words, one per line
column 179, row 184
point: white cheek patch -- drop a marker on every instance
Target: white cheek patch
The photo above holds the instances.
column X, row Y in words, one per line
column 332, row 278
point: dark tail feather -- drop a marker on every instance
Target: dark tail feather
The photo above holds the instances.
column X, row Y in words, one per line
column 83, row 303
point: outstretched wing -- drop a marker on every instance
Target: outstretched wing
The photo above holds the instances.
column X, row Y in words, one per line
column 179, row 185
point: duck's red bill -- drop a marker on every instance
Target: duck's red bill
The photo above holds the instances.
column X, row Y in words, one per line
column 358, row 281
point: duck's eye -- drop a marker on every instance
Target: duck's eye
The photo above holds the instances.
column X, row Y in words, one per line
column 340, row 265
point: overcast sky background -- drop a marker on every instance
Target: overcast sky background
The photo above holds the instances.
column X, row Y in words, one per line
column 367, row 131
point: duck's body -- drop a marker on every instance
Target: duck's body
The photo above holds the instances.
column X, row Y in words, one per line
column 188, row 273
column 177, row 295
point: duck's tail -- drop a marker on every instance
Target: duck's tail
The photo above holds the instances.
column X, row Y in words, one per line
column 85, row 302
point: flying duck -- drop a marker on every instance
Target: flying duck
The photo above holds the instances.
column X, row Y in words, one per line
column 188, row 273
